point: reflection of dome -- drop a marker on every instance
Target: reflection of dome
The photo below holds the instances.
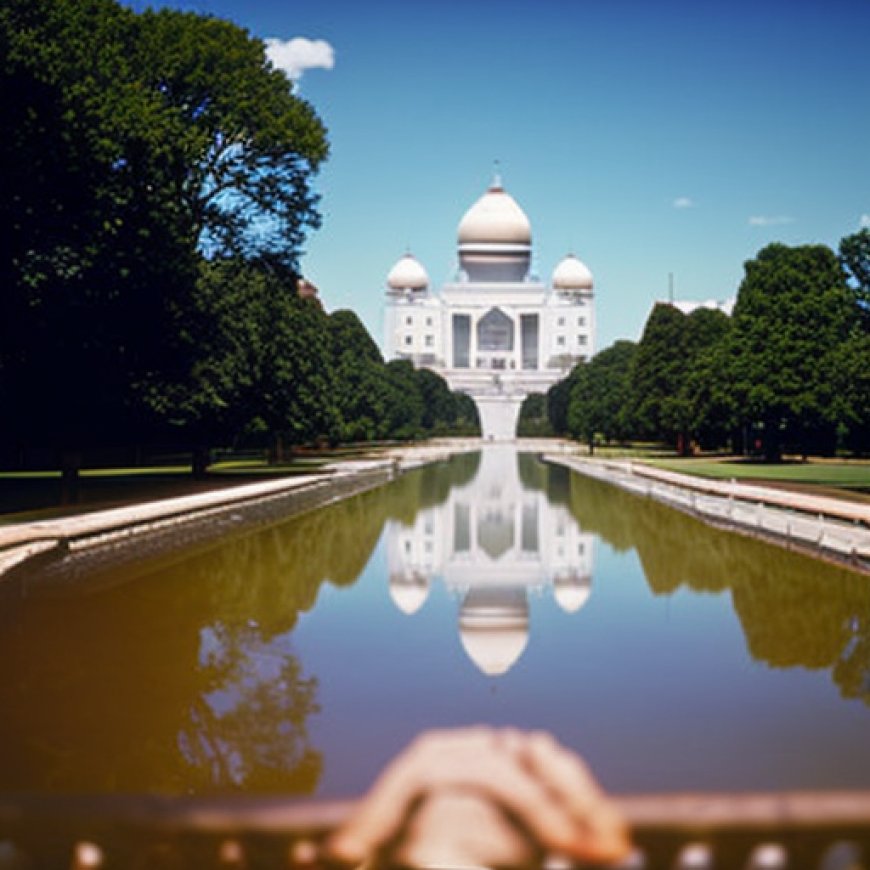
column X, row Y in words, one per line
column 495, row 219
column 409, row 591
column 572, row 274
column 571, row 591
column 494, row 627
column 408, row 274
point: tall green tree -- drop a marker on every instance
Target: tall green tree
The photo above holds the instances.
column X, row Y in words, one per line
column 240, row 147
column 658, row 372
column 687, row 413
column 533, row 420
column 793, row 311
column 92, row 265
column 358, row 379
column 262, row 363
column 559, row 398
column 134, row 141
column 600, row 397
column 852, row 401
column 855, row 260
column 403, row 403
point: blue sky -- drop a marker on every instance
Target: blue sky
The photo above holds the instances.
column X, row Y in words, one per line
column 647, row 137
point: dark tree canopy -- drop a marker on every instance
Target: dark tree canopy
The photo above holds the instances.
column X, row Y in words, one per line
column 132, row 139
column 243, row 147
column 855, row 260
column 558, row 400
column 599, row 399
column 658, row 372
column 793, row 312
column 533, row 420
column 789, row 370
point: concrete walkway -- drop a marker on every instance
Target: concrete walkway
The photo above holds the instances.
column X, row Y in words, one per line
column 819, row 525
column 136, row 531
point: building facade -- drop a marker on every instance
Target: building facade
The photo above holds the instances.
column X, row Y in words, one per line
column 495, row 331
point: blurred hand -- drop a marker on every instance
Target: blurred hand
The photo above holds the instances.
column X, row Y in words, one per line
column 481, row 796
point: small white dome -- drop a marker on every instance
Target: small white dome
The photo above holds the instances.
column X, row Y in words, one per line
column 571, row 592
column 495, row 219
column 409, row 591
column 408, row 274
column 572, row 274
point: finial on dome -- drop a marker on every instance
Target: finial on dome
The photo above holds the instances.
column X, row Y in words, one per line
column 496, row 176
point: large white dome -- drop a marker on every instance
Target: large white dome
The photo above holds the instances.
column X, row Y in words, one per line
column 572, row 274
column 495, row 219
column 408, row 274
column 494, row 627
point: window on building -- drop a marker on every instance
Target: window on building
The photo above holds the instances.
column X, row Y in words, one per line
column 495, row 331
column 529, row 336
column 409, row 320
column 561, row 321
column 581, row 321
column 560, row 340
column 428, row 321
column 430, row 340
column 581, row 339
column 408, row 339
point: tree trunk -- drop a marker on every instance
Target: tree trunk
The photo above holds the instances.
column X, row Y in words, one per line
column 200, row 461
column 70, row 463
column 771, row 443
column 278, row 450
column 592, row 445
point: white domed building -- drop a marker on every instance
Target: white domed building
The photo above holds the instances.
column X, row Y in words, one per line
column 495, row 332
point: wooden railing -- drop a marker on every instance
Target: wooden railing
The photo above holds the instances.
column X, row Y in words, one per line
column 830, row 831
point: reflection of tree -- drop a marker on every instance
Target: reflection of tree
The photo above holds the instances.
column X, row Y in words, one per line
column 185, row 679
column 532, row 472
column 795, row 611
column 852, row 671
column 250, row 730
column 537, row 476
column 429, row 486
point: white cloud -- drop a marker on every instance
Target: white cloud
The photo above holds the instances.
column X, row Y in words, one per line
column 770, row 220
column 864, row 223
column 296, row 55
column 683, row 202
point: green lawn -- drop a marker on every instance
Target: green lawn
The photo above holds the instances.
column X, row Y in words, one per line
column 814, row 473
column 26, row 496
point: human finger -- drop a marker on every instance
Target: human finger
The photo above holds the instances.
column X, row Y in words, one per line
column 603, row 833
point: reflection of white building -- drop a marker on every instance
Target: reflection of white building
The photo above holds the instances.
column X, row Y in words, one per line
column 493, row 542
column 496, row 332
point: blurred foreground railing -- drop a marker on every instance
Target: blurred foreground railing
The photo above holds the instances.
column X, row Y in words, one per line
column 828, row 830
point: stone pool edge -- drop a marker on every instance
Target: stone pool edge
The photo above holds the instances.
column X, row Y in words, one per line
column 74, row 545
column 823, row 527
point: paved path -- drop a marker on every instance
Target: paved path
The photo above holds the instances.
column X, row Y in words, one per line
column 821, row 525
column 214, row 513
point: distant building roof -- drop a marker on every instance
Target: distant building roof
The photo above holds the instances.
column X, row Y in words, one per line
column 687, row 306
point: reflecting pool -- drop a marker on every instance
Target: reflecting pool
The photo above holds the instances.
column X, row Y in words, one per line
column 492, row 588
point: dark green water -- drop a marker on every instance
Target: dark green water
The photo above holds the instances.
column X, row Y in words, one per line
column 493, row 589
